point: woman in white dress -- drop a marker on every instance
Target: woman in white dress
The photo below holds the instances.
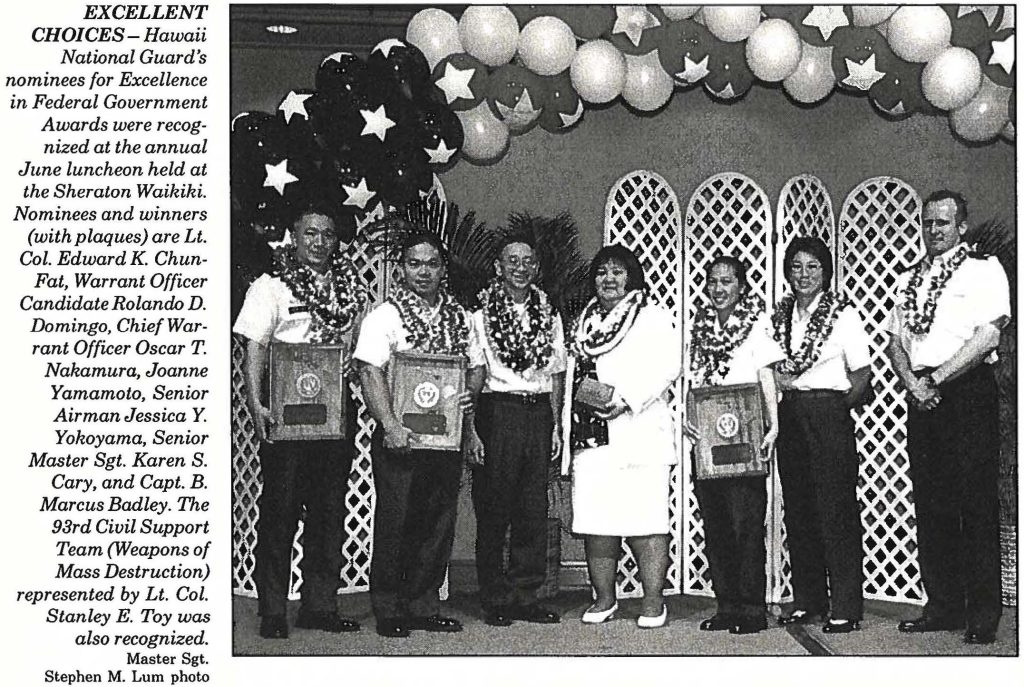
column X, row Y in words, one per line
column 624, row 450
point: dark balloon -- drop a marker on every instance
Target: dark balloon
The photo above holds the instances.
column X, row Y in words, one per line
column 436, row 129
column 972, row 29
column 996, row 71
column 898, row 94
column 460, row 82
column 857, row 44
column 729, row 78
column 813, row 34
column 508, row 87
column 404, row 65
column 682, row 40
column 560, row 104
column 586, row 21
column 341, row 76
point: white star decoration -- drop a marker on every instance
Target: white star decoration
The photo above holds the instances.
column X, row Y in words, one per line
column 726, row 93
column 896, row 110
column 294, row 104
column 826, row 18
column 570, row 119
column 278, row 176
column 633, row 20
column 1003, row 53
column 441, row 154
column 863, row 75
column 987, row 11
column 377, row 123
column 520, row 116
column 455, row 83
column 334, row 57
column 692, row 71
column 358, row 195
column 386, row 46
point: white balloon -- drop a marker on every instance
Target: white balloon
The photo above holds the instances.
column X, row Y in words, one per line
column 485, row 136
column 813, row 78
column 647, row 85
column 870, row 15
column 950, row 80
column 435, row 33
column 773, row 50
column 490, row 33
column 986, row 115
column 731, row 23
column 598, row 71
column 547, row 46
column 917, row 33
column 678, row 12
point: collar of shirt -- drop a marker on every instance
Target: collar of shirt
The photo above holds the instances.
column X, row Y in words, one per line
column 810, row 309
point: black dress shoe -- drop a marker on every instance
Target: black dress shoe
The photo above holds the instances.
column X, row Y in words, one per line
column 392, row 627
column 717, row 622
column 748, row 626
column 434, row 623
column 534, row 613
column 840, row 627
column 980, row 637
column 928, row 624
column 497, row 617
column 799, row 617
column 274, row 627
column 328, row 622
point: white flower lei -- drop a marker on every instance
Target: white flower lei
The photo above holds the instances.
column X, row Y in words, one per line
column 597, row 332
column 334, row 303
column 519, row 345
column 711, row 355
column 918, row 321
column 447, row 334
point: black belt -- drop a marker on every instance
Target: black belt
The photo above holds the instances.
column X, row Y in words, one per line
column 813, row 393
column 518, row 399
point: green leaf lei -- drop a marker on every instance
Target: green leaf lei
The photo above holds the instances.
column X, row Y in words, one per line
column 334, row 303
column 818, row 330
column 713, row 347
column 597, row 332
column 447, row 334
column 919, row 321
column 519, row 345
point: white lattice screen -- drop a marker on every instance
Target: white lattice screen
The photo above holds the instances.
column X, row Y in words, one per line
column 642, row 214
column 360, row 498
column 879, row 237
column 727, row 214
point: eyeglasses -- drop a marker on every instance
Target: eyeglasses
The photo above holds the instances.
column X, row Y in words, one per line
column 528, row 263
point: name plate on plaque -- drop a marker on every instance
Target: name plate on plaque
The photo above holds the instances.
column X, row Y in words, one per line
column 425, row 390
column 307, row 400
column 731, row 429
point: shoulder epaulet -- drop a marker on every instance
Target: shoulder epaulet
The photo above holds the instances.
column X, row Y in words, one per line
column 979, row 255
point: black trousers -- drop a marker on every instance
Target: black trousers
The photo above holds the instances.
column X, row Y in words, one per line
column 954, row 464
column 818, row 467
column 733, row 511
column 296, row 475
column 413, row 529
column 510, row 497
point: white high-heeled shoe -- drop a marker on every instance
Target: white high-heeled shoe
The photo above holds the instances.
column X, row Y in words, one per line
column 648, row 622
column 597, row 617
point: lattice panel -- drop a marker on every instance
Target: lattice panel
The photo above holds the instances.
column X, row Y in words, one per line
column 879, row 236
column 804, row 208
column 360, row 498
column 642, row 214
column 730, row 214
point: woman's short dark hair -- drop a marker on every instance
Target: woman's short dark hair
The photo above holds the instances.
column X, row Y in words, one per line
column 634, row 272
column 812, row 245
column 739, row 268
column 418, row 238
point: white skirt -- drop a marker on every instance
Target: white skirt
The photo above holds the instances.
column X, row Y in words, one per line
column 616, row 501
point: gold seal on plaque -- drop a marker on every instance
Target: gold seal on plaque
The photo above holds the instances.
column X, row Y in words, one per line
column 426, row 395
column 727, row 425
column 308, row 385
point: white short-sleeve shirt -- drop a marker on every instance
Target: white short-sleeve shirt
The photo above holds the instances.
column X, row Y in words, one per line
column 503, row 379
column 847, row 348
column 271, row 312
column 976, row 294
column 383, row 334
column 758, row 350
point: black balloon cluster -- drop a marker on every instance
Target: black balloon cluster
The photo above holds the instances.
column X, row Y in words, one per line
column 372, row 132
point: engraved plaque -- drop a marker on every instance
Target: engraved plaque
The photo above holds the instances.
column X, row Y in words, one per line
column 731, row 427
column 307, row 399
column 425, row 390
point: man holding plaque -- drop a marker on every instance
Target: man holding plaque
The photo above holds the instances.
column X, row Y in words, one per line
column 313, row 296
column 945, row 327
column 417, row 489
column 519, row 421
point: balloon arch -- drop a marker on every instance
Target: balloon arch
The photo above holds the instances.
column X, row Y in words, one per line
column 374, row 131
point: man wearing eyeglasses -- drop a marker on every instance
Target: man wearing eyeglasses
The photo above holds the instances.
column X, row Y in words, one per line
column 945, row 328
column 518, row 421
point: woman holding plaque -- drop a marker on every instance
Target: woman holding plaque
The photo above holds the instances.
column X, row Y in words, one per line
column 732, row 344
column 626, row 355
column 825, row 374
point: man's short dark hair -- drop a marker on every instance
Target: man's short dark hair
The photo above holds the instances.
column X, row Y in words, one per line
column 946, row 194
column 812, row 245
column 526, row 237
column 419, row 238
column 739, row 268
column 634, row 272
column 344, row 224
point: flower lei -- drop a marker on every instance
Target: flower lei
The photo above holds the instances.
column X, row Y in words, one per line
column 711, row 355
column 334, row 303
column 919, row 320
column 448, row 333
column 519, row 345
column 597, row 332
column 818, row 331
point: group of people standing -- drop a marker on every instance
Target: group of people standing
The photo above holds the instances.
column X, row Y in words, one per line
column 813, row 353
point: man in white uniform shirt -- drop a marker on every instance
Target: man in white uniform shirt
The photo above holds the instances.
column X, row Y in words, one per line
column 945, row 328
column 314, row 295
column 518, row 420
